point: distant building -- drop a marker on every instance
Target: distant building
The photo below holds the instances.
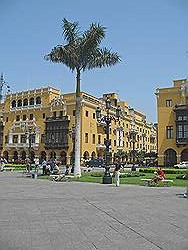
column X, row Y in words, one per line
column 41, row 123
column 172, row 105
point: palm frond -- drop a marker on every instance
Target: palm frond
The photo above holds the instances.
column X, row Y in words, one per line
column 63, row 54
column 103, row 57
column 70, row 31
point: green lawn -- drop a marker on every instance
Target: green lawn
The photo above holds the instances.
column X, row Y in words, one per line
column 86, row 177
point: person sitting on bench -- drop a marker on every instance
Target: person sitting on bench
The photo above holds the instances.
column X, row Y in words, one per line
column 159, row 175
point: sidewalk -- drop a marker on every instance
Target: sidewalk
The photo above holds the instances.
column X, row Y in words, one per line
column 39, row 214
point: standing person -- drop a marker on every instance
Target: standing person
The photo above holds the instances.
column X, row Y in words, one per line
column 28, row 165
column 36, row 160
column 117, row 173
column 44, row 172
column 67, row 170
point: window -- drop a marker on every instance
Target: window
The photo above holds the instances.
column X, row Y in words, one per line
column 13, row 104
column 31, row 117
column 169, row 132
column 24, row 117
column 19, row 104
column 7, row 119
column 15, row 138
column 86, row 137
column 43, row 115
column 61, row 113
column 54, row 114
column 23, row 139
column 25, row 102
column 74, row 112
column 17, row 118
column 99, row 139
column 114, row 143
column 169, row 103
column 93, row 115
column 6, row 139
column 182, row 131
column 38, row 100
column 31, row 101
column 87, row 113
column 93, row 139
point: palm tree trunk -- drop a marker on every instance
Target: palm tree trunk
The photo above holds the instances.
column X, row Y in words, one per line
column 77, row 170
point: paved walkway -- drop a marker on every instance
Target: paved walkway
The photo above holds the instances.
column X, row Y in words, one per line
column 39, row 214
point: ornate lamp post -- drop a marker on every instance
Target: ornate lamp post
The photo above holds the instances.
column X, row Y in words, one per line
column 72, row 134
column 107, row 119
column 29, row 135
column 132, row 136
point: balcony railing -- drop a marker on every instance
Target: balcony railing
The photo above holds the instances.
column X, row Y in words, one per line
column 22, row 145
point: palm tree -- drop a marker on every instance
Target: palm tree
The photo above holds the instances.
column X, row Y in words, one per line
column 81, row 52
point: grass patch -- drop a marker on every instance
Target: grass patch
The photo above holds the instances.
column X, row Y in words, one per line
column 128, row 178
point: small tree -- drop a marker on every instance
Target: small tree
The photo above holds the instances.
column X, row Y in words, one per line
column 81, row 52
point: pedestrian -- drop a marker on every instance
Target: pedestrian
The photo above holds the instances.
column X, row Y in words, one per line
column 44, row 172
column 36, row 161
column 67, row 170
column 117, row 173
column 28, row 165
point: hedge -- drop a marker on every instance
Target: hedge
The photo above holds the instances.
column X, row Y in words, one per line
column 167, row 171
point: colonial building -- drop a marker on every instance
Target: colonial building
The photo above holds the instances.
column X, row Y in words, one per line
column 172, row 105
column 41, row 123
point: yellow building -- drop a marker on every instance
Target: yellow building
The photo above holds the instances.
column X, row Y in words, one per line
column 41, row 122
column 172, row 105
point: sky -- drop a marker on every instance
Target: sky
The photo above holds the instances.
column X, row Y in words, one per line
column 151, row 37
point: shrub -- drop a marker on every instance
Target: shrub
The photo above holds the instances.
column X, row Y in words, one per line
column 131, row 174
column 182, row 177
column 167, row 171
column 97, row 174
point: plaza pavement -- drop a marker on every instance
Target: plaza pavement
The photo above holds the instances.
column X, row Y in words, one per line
column 39, row 214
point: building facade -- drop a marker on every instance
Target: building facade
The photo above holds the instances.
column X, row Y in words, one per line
column 41, row 123
column 172, row 105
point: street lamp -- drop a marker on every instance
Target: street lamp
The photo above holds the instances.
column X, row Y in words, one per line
column 72, row 133
column 29, row 135
column 132, row 136
column 107, row 119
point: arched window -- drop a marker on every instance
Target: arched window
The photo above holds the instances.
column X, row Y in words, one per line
column 25, row 102
column 13, row 104
column 19, row 103
column 23, row 155
column 15, row 156
column 86, row 155
column 31, row 101
column 184, row 155
column 63, row 158
column 5, row 155
column 43, row 155
column 38, row 100
column 52, row 155
column 170, row 158
column 93, row 155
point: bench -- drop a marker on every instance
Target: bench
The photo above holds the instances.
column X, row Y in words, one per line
column 9, row 168
column 166, row 182
column 60, row 177
column 148, row 182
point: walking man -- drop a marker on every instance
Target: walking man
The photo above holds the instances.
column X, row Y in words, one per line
column 117, row 173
